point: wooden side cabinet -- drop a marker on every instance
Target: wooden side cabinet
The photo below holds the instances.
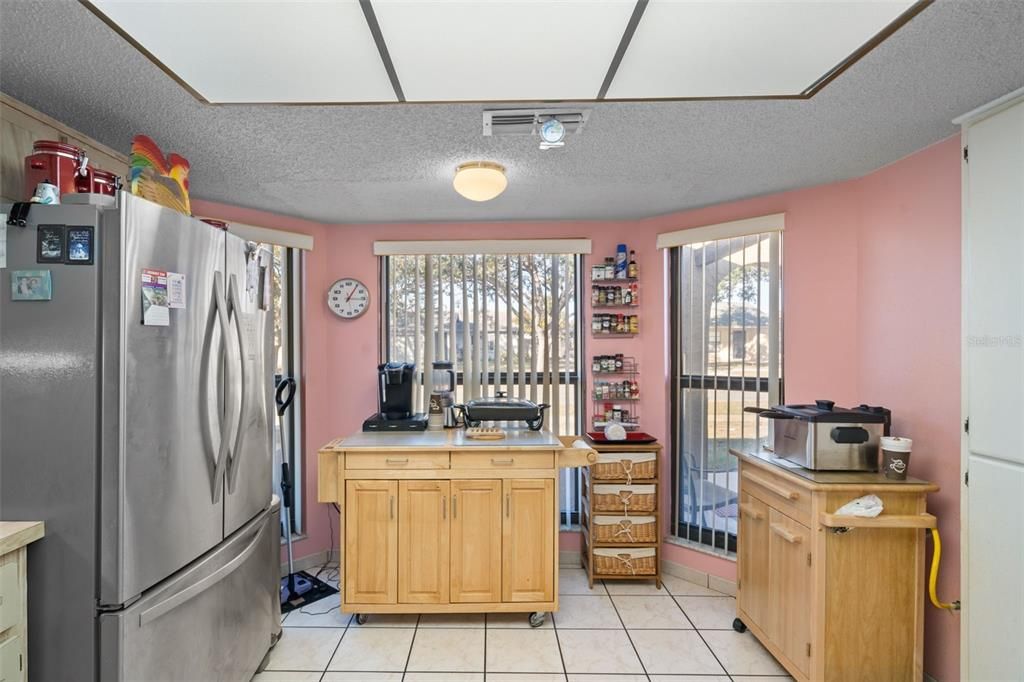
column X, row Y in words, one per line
column 371, row 542
column 832, row 597
column 15, row 537
column 476, row 541
column 528, row 534
column 433, row 524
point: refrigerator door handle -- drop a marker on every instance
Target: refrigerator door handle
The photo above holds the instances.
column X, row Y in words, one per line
column 218, row 313
column 201, row 586
column 234, row 455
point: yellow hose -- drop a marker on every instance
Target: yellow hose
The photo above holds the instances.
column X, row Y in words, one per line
column 934, row 576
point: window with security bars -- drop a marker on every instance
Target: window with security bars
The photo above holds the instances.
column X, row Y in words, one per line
column 509, row 323
column 726, row 364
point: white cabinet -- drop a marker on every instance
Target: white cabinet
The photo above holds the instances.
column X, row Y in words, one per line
column 993, row 391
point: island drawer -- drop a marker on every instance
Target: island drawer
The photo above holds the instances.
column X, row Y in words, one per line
column 777, row 492
column 396, row 460
column 502, row 459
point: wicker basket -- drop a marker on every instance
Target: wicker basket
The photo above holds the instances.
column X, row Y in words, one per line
column 625, row 466
column 625, row 561
column 625, row 498
column 625, row 529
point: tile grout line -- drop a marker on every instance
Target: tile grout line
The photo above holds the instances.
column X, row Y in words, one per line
column 636, row 652
column 558, row 643
column 408, row 656
column 336, row 646
column 695, row 629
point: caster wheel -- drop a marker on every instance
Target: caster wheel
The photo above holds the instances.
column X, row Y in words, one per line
column 361, row 618
column 537, row 619
column 738, row 625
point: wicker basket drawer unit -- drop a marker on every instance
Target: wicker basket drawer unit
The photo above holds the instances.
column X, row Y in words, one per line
column 625, row 529
column 625, row 498
column 626, row 561
column 625, row 466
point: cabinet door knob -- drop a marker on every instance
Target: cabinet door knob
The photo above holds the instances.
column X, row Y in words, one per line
column 508, row 461
column 444, row 508
column 389, row 460
column 392, row 505
column 508, row 504
column 455, row 506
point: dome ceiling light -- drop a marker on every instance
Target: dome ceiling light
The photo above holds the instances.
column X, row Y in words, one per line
column 480, row 180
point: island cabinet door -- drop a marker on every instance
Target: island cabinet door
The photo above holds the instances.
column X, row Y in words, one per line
column 528, row 537
column 423, row 542
column 371, row 542
column 476, row 541
column 790, row 583
column 753, row 559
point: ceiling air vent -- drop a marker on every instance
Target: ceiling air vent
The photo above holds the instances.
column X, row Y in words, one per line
column 529, row 121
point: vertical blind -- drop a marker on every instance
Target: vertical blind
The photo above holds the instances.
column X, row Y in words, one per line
column 726, row 336
column 507, row 323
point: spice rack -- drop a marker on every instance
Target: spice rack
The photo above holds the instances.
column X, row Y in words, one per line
column 620, row 518
column 616, row 390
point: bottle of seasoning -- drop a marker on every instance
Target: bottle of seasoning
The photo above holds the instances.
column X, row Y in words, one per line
column 634, row 293
column 597, row 272
column 634, row 324
column 617, row 413
column 632, row 270
column 596, row 364
column 609, row 268
column 595, row 326
column 627, row 296
column 620, row 361
column 606, row 324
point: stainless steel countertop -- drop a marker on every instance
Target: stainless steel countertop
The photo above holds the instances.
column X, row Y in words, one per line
column 448, row 440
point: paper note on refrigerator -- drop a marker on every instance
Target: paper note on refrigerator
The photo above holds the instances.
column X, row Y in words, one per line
column 155, row 312
column 175, row 290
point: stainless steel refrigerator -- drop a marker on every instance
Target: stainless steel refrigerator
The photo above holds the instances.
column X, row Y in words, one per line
column 135, row 420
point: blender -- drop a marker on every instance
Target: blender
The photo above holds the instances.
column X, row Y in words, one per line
column 442, row 396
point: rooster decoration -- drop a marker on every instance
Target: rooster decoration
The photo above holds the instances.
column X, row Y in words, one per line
column 161, row 180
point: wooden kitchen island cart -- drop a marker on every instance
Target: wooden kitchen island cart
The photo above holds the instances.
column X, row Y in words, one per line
column 434, row 522
column 832, row 597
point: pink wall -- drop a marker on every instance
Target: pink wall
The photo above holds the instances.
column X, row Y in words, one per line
column 909, row 338
column 870, row 305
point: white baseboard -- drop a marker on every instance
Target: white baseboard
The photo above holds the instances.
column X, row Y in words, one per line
column 701, row 578
column 311, row 561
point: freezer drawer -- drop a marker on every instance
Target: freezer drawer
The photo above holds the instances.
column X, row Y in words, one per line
column 214, row 620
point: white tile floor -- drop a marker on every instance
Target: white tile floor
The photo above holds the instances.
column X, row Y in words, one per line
column 619, row 632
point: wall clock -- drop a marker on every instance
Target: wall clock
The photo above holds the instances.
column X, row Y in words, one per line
column 348, row 298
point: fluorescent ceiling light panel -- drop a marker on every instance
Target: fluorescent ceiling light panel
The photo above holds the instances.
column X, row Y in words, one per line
column 502, row 50
column 685, row 48
column 281, row 51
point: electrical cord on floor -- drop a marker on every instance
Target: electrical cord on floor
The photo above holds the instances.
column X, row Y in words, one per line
column 933, row 576
column 331, row 574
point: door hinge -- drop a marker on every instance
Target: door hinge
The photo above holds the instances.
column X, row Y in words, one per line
column 967, row 425
column 965, row 154
column 967, row 478
column 808, row 650
column 808, row 558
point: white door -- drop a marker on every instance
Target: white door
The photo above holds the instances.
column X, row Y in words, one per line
column 993, row 596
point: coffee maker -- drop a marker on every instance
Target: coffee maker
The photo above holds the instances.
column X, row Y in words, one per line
column 395, row 400
column 442, row 396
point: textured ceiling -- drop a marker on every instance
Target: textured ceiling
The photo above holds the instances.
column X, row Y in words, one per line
column 395, row 162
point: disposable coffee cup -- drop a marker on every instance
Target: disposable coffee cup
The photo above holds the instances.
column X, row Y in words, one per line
column 895, row 456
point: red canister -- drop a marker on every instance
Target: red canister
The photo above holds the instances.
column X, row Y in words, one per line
column 102, row 182
column 59, row 163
